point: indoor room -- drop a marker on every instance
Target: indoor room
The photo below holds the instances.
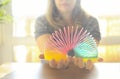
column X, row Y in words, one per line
column 17, row 31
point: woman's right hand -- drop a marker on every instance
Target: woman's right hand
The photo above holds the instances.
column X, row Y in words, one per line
column 62, row 64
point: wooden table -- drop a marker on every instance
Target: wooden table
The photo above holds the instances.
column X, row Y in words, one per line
column 43, row 71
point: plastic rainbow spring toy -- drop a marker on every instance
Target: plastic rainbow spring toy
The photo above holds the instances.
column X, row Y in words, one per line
column 72, row 41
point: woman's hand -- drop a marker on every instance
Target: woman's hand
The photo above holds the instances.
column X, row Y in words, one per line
column 79, row 62
column 88, row 65
column 62, row 64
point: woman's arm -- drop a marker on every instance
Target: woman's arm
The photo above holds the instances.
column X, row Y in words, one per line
column 41, row 42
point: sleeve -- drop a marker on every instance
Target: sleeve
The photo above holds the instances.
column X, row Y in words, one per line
column 93, row 28
column 40, row 27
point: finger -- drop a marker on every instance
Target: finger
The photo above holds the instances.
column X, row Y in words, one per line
column 76, row 61
column 100, row 59
column 81, row 63
column 70, row 59
column 89, row 65
column 60, row 64
column 52, row 63
column 41, row 56
column 66, row 63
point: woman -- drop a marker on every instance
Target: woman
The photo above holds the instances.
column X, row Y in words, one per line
column 62, row 13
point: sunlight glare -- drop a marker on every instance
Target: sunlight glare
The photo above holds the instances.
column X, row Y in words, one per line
column 28, row 7
column 20, row 53
column 102, row 7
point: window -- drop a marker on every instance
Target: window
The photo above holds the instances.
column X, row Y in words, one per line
column 110, row 29
column 24, row 46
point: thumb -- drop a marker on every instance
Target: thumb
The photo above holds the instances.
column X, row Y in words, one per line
column 100, row 59
column 41, row 56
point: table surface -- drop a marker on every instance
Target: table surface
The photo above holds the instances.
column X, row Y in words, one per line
column 43, row 71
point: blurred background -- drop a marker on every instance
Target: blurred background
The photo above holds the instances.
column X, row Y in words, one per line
column 17, row 43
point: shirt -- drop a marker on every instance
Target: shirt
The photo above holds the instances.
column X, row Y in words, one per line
column 42, row 26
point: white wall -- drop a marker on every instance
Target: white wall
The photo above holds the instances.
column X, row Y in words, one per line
column 6, row 54
column 0, row 42
column 0, row 34
column 102, row 7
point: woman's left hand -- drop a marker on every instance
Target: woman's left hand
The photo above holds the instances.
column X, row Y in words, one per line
column 88, row 65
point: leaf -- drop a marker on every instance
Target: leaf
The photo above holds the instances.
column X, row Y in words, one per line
column 6, row 18
column 2, row 12
column 5, row 2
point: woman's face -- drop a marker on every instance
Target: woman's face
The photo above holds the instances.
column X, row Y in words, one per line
column 64, row 6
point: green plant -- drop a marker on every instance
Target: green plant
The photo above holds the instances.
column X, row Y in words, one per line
column 4, row 16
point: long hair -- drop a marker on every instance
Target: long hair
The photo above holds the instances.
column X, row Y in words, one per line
column 55, row 19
